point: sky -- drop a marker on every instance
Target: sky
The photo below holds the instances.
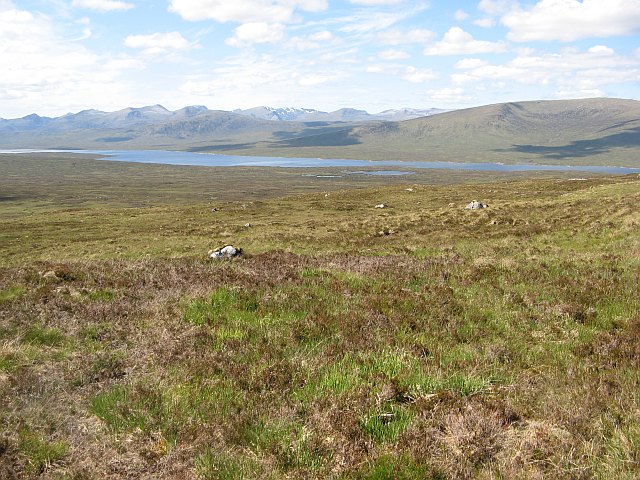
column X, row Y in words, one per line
column 60, row 56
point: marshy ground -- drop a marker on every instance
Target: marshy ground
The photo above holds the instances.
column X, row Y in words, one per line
column 416, row 341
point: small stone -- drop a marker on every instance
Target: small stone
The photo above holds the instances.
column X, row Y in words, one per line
column 380, row 205
column 247, row 225
column 228, row 251
column 476, row 205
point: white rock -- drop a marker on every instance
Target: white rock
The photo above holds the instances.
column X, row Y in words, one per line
column 476, row 205
column 380, row 205
column 228, row 251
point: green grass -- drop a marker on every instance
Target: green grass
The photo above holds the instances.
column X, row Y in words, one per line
column 496, row 344
column 388, row 467
column 223, row 305
column 173, row 410
column 42, row 336
column 223, row 466
column 40, row 453
column 12, row 293
column 104, row 295
column 386, row 424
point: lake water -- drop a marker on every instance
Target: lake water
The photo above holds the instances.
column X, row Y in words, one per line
column 216, row 160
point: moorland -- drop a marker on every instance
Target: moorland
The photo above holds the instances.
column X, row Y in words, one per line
column 417, row 341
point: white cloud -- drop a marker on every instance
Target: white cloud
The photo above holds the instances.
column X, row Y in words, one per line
column 366, row 21
column 349, row 55
column 496, row 7
column 485, row 22
column 458, row 42
column 409, row 73
column 468, row 63
column 415, row 75
column 103, row 5
column 601, row 50
column 239, row 74
column 159, row 43
column 460, row 15
column 393, row 54
column 569, row 20
column 448, row 95
column 566, row 93
column 315, row 79
column 569, row 69
column 376, row 2
column 376, row 69
column 43, row 70
column 244, row 11
column 248, row 80
column 398, row 37
column 313, row 41
column 256, row 32
column 322, row 36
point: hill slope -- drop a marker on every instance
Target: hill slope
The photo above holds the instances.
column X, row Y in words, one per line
column 592, row 131
column 192, row 127
column 588, row 132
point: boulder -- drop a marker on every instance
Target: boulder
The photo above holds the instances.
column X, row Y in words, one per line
column 380, row 205
column 228, row 251
column 476, row 205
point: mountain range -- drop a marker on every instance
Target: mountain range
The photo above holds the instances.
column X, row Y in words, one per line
column 155, row 114
column 341, row 115
column 600, row 131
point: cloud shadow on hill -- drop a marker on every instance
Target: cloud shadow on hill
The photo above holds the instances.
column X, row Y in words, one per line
column 584, row 148
column 340, row 138
column 311, row 131
column 222, row 147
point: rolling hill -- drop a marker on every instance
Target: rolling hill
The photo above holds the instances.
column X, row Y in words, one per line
column 589, row 132
column 593, row 131
column 152, row 127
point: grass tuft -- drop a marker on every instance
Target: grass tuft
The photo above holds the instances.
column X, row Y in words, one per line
column 40, row 453
column 49, row 337
column 385, row 425
column 12, row 293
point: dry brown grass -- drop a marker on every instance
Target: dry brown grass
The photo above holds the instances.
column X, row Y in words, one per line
column 500, row 344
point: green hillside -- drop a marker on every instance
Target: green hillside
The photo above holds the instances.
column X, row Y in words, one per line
column 587, row 132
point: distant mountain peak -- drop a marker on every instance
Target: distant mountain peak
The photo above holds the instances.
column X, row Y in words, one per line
column 157, row 108
column 277, row 114
column 346, row 114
